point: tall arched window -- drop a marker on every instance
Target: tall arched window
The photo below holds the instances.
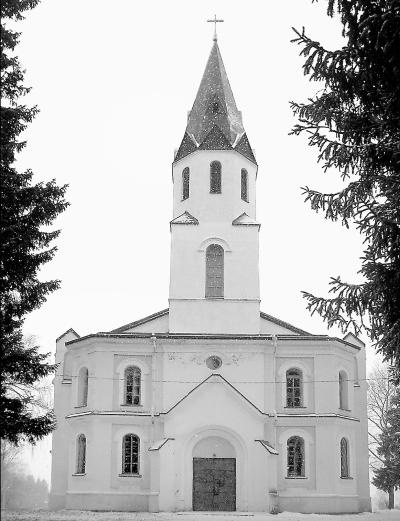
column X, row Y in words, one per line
column 132, row 384
column 244, row 185
column 295, row 457
column 294, row 393
column 344, row 458
column 215, row 177
column 130, row 454
column 81, row 454
column 83, row 382
column 343, row 390
column 185, row 183
column 214, row 271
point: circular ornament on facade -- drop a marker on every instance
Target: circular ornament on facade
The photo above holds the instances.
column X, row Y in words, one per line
column 213, row 362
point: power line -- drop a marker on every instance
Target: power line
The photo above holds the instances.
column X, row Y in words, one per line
column 355, row 380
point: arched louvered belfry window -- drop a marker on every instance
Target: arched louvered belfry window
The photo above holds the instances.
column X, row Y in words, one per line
column 214, row 271
column 244, row 188
column 185, row 183
column 344, row 458
column 294, row 391
column 343, row 391
column 215, row 177
column 81, row 454
column 130, row 454
column 83, row 385
column 295, row 457
column 132, row 385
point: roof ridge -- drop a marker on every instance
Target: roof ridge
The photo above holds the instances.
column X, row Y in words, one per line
column 282, row 323
column 141, row 321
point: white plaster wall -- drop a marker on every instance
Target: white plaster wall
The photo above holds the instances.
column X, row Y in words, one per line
column 217, row 412
column 214, row 409
column 238, row 311
column 206, row 207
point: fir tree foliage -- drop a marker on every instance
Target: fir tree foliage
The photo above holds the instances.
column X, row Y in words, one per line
column 354, row 121
column 27, row 210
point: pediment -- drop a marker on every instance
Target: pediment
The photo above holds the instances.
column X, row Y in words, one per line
column 244, row 220
column 185, row 218
column 215, row 390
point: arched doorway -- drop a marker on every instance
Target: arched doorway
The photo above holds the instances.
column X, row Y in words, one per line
column 214, row 475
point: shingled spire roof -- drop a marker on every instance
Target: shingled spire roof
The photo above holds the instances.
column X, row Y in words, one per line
column 214, row 122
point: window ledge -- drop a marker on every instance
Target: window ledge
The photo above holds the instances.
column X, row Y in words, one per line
column 214, row 298
column 79, row 474
column 216, row 193
column 80, row 406
column 343, row 409
column 126, row 475
column 346, row 477
column 296, row 407
column 296, row 477
column 130, row 405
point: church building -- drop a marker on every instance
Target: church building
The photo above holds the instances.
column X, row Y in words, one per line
column 211, row 404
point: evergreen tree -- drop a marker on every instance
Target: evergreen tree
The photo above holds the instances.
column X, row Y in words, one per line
column 354, row 121
column 27, row 209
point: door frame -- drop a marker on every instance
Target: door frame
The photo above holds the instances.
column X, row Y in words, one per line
column 241, row 464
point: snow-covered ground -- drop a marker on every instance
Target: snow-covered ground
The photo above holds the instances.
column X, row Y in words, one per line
column 76, row 515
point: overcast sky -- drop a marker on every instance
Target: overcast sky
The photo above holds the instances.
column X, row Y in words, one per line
column 114, row 82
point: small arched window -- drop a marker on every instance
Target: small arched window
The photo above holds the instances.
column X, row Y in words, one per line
column 185, row 183
column 244, row 185
column 215, row 177
column 343, row 391
column 295, row 457
column 132, row 386
column 294, row 390
column 344, row 458
column 214, row 271
column 81, row 454
column 83, row 382
column 130, row 454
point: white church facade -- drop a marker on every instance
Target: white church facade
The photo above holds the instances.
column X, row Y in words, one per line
column 211, row 404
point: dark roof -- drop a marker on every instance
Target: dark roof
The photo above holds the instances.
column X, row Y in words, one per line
column 221, row 336
column 70, row 330
column 283, row 324
column 215, row 123
column 299, row 335
column 149, row 318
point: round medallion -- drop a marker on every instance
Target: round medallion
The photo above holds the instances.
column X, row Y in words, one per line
column 213, row 362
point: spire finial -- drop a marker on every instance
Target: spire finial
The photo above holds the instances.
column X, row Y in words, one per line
column 215, row 21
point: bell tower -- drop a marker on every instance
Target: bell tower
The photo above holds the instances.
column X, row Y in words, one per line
column 214, row 278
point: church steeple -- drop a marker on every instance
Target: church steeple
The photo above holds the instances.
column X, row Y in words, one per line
column 215, row 123
column 214, row 283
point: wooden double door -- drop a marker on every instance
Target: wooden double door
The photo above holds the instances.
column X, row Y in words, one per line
column 214, row 484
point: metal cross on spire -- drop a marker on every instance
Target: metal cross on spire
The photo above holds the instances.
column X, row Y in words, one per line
column 215, row 21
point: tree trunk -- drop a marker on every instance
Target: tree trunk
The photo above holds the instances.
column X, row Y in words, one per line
column 391, row 498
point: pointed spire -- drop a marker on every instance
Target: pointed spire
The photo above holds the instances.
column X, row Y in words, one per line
column 214, row 112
